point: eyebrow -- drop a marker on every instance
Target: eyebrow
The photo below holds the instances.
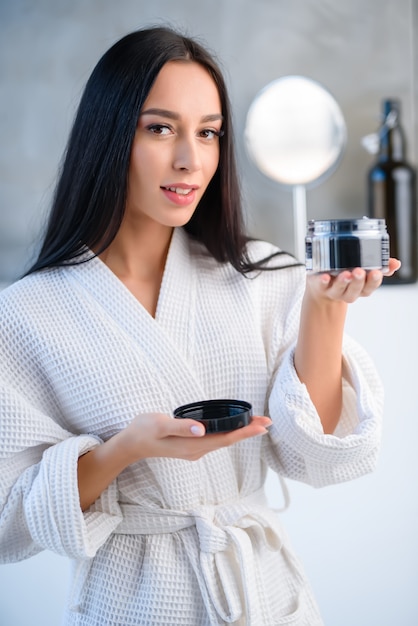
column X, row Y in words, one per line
column 175, row 116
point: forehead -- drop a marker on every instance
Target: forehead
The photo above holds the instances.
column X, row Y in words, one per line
column 183, row 85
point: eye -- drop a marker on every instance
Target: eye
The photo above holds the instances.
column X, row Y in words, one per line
column 210, row 133
column 159, row 129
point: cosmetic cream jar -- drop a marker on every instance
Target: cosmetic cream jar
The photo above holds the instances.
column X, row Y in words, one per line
column 336, row 245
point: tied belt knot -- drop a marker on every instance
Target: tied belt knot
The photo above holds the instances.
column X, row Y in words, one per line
column 224, row 561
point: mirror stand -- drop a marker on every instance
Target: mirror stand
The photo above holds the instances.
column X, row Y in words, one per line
column 299, row 220
column 295, row 133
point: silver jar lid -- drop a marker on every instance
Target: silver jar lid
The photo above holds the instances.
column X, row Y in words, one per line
column 357, row 225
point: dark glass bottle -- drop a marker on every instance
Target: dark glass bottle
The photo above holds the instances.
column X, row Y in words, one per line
column 392, row 194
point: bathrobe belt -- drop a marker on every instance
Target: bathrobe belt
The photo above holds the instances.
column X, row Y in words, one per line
column 224, row 565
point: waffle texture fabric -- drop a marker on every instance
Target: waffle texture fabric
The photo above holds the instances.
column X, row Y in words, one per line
column 170, row 542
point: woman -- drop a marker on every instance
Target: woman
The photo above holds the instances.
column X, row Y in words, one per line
column 147, row 295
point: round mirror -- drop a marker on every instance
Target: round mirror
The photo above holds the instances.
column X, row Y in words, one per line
column 295, row 131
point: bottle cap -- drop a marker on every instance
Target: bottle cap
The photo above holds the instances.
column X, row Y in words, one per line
column 217, row 415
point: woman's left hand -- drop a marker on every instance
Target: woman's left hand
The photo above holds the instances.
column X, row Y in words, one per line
column 349, row 284
column 318, row 350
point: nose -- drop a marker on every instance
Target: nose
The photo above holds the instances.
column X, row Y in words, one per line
column 187, row 154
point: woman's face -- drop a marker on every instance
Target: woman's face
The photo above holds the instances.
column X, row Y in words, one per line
column 175, row 151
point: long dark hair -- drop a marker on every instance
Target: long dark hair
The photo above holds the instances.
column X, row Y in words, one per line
column 90, row 196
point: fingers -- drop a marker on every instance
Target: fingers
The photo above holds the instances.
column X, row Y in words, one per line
column 185, row 428
column 373, row 281
column 348, row 285
column 394, row 266
column 359, row 283
column 192, row 428
column 181, row 442
column 160, row 435
column 214, row 441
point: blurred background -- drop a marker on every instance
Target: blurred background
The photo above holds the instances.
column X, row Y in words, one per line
column 358, row 541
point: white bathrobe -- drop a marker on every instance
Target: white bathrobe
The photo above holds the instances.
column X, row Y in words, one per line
column 170, row 542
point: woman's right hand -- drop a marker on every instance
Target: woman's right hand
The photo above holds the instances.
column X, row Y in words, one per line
column 153, row 435
column 159, row 435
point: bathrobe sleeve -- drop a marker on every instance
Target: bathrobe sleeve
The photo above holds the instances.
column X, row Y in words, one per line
column 305, row 453
column 297, row 446
column 39, row 501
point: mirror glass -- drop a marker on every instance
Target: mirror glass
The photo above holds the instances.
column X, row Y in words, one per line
column 295, row 132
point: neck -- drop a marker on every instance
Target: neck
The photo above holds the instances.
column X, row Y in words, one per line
column 138, row 255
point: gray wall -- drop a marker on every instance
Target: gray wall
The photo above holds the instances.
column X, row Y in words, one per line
column 358, row 540
column 362, row 51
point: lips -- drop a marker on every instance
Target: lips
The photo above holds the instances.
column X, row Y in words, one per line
column 181, row 195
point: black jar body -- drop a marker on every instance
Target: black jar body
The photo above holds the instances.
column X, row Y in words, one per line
column 392, row 194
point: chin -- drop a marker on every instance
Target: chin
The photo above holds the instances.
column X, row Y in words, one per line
column 181, row 219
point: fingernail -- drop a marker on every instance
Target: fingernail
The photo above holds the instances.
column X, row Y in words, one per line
column 197, row 430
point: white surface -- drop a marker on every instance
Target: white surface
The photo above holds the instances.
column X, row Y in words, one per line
column 358, row 540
